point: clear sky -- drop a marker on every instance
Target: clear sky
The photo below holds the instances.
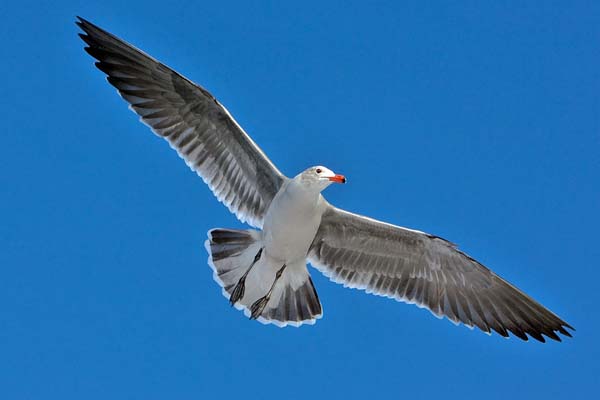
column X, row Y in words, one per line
column 475, row 121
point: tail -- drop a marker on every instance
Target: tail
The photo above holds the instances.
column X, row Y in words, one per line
column 259, row 285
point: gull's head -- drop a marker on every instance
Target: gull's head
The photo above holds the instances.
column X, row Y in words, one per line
column 320, row 177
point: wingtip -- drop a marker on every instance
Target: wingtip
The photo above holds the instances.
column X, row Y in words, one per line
column 84, row 24
column 551, row 334
column 569, row 326
column 565, row 332
column 80, row 21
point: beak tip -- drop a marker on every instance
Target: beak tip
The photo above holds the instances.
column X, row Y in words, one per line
column 338, row 178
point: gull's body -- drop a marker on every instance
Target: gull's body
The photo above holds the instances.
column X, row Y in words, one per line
column 263, row 271
column 292, row 220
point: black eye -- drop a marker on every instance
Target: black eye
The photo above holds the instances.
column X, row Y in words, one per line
column 319, row 170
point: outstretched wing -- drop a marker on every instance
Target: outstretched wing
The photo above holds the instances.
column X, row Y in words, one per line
column 194, row 123
column 426, row 270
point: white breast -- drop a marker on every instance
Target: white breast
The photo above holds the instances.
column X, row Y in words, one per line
column 291, row 222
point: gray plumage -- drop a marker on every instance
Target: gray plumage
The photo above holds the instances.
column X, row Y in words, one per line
column 415, row 267
column 194, row 123
column 296, row 305
column 350, row 249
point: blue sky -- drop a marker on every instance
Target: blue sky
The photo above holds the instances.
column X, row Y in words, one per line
column 476, row 121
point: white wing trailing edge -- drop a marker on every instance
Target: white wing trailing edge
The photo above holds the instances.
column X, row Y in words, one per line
column 194, row 123
column 428, row 271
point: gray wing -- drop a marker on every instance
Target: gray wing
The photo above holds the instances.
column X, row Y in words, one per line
column 428, row 271
column 200, row 129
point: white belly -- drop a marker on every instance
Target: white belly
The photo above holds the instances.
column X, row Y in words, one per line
column 291, row 223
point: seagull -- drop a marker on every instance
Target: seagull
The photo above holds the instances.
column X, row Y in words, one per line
column 263, row 271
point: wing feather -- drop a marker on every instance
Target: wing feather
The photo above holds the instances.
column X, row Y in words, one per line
column 192, row 121
column 426, row 270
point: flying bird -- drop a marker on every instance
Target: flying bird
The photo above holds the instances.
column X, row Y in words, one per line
column 263, row 271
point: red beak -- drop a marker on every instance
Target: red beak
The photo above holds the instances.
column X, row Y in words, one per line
column 338, row 178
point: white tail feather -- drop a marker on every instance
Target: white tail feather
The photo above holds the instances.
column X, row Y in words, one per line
column 293, row 300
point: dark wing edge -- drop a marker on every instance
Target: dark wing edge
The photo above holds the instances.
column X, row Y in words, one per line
column 194, row 123
column 422, row 269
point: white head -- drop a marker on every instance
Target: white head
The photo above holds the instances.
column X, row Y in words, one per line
column 319, row 177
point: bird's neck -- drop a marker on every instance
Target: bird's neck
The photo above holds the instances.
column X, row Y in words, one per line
column 303, row 193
